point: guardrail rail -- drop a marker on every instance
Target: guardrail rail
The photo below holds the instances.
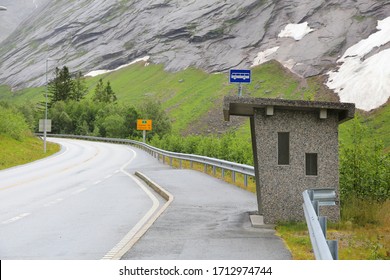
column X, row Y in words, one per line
column 224, row 165
column 323, row 249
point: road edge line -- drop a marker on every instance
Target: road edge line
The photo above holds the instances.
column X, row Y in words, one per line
column 120, row 252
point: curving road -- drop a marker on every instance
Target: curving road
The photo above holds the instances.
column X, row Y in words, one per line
column 77, row 204
column 84, row 203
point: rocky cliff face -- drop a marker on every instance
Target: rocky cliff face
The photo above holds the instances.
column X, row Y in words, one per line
column 308, row 36
column 17, row 11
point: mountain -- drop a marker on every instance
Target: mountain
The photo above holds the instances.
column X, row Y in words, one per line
column 310, row 37
column 17, row 12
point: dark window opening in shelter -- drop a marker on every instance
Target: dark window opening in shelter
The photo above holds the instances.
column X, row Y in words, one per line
column 283, row 148
column 311, row 164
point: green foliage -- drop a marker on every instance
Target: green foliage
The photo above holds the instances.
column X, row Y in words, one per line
column 227, row 147
column 161, row 124
column 12, row 122
column 61, row 86
column 64, row 87
column 114, row 126
column 103, row 93
column 79, row 89
column 106, row 120
column 364, row 166
column 359, row 211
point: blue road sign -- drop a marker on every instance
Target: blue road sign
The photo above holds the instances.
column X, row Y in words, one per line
column 238, row 76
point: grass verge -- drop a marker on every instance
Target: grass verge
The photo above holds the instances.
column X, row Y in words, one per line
column 14, row 152
column 358, row 239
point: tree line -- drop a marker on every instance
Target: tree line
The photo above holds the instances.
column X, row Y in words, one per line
column 72, row 113
column 67, row 86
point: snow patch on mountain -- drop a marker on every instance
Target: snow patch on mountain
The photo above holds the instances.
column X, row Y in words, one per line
column 364, row 76
column 264, row 56
column 296, row 31
column 100, row 72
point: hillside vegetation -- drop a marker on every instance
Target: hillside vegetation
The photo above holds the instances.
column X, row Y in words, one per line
column 193, row 98
column 17, row 144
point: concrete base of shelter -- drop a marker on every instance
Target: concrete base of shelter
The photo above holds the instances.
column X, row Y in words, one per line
column 257, row 221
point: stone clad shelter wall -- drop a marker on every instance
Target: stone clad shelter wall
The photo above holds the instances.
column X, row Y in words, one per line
column 282, row 184
column 295, row 148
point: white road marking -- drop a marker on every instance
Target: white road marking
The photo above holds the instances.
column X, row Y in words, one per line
column 108, row 176
column 79, row 191
column 17, row 218
column 123, row 246
column 58, row 200
column 97, row 182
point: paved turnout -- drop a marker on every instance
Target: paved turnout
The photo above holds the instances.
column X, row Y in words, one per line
column 208, row 219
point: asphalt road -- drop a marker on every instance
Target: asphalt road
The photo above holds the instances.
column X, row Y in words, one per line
column 75, row 205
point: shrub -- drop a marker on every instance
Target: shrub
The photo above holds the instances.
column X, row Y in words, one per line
column 12, row 123
column 364, row 167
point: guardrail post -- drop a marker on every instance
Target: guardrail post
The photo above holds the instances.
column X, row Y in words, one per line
column 246, row 180
column 205, row 168
column 234, row 176
column 170, row 161
column 223, row 173
column 334, row 248
column 214, row 170
column 180, row 163
column 323, row 224
column 316, row 206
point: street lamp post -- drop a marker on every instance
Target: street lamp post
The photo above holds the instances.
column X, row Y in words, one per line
column 45, row 120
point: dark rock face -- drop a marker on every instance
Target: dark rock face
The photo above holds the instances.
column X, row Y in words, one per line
column 213, row 35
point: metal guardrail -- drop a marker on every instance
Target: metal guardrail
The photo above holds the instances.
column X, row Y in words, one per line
column 323, row 249
column 224, row 165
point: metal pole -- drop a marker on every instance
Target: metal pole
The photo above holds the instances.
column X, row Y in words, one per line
column 240, row 89
column 144, row 136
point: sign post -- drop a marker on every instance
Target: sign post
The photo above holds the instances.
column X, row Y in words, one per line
column 238, row 76
column 144, row 125
column 44, row 126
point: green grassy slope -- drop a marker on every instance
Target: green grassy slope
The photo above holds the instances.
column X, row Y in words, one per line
column 16, row 152
column 190, row 95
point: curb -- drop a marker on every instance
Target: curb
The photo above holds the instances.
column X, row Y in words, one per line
column 137, row 236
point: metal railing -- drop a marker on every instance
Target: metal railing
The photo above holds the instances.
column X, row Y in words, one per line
column 224, row 165
column 323, row 249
